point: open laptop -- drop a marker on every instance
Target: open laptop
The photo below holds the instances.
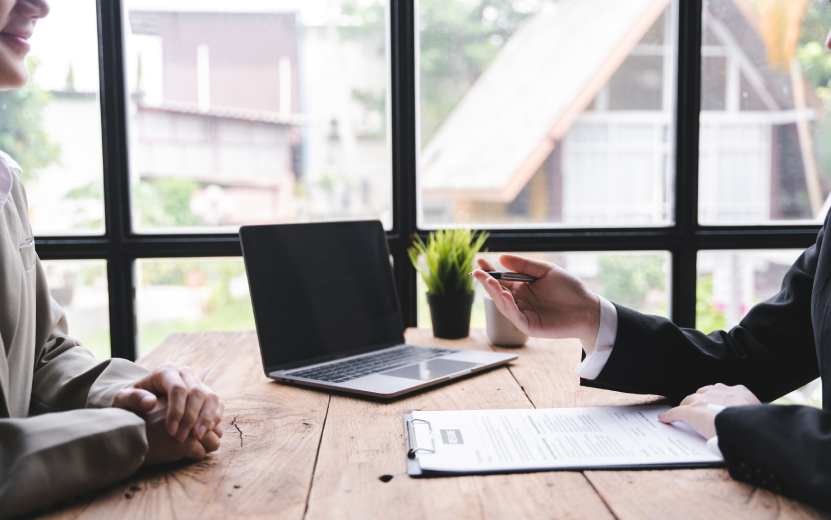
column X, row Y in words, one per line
column 327, row 312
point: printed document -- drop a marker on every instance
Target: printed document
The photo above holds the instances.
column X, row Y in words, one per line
column 554, row 438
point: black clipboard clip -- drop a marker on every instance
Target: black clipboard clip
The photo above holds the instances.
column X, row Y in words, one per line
column 412, row 440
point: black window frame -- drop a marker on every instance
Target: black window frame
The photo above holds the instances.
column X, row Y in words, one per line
column 120, row 246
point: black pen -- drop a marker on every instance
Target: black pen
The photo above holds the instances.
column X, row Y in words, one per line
column 509, row 276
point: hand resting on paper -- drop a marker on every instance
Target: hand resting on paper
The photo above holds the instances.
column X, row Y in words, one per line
column 693, row 409
column 558, row 305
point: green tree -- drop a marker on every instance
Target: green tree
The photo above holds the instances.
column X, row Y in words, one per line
column 159, row 202
column 22, row 134
column 707, row 317
column 815, row 63
column 92, row 193
column 215, row 274
column 70, row 80
column 626, row 279
column 223, row 310
column 165, row 202
column 458, row 41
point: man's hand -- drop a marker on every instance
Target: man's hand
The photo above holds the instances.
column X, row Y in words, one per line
column 193, row 409
column 693, row 409
column 163, row 447
column 558, row 305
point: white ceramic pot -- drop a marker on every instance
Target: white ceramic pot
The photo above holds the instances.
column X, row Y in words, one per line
column 501, row 331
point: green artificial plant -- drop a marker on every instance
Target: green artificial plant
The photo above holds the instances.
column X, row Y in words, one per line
column 446, row 259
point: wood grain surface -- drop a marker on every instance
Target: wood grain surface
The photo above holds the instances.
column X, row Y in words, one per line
column 264, row 466
column 364, row 441
column 706, row 494
column 291, row 452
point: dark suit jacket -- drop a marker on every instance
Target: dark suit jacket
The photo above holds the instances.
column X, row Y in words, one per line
column 780, row 345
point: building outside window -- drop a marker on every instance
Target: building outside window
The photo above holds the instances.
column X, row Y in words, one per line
column 258, row 114
column 564, row 130
column 561, row 126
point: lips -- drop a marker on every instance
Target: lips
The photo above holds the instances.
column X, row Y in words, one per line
column 16, row 40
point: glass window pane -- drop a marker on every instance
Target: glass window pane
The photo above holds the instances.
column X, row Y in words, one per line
column 257, row 112
column 190, row 295
column 524, row 121
column 765, row 141
column 731, row 282
column 638, row 279
column 80, row 288
column 59, row 114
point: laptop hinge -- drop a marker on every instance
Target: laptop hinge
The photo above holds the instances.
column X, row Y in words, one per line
column 282, row 369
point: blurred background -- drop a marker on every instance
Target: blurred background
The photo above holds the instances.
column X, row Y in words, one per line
column 272, row 111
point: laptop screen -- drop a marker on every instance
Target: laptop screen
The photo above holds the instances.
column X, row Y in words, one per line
column 320, row 290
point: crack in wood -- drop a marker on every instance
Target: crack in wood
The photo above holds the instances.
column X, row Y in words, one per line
column 234, row 424
column 599, row 494
column 524, row 391
column 317, row 456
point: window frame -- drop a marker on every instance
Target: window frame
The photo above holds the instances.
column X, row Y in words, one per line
column 120, row 245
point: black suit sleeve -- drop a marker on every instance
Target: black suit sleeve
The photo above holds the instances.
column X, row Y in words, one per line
column 786, row 449
column 771, row 351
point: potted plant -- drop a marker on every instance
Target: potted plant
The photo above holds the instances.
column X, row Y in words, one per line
column 444, row 263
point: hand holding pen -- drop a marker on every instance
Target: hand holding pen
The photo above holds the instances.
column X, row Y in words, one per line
column 509, row 276
column 549, row 302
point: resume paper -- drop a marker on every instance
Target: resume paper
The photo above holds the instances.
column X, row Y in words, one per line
column 554, row 438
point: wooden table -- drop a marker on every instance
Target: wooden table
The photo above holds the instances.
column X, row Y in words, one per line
column 293, row 453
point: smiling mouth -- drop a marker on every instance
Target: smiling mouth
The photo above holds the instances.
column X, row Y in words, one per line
column 18, row 41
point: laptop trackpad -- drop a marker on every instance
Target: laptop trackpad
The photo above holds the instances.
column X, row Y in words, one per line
column 432, row 369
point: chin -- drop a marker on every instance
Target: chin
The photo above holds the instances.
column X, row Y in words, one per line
column 13, row 75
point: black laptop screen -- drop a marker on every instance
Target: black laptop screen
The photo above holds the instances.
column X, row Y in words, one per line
column 320, row 289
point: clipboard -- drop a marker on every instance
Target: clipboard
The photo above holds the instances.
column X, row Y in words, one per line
column 413, row 449
column 411, row 442
column 416, row 445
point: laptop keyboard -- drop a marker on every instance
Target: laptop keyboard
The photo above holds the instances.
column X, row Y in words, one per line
column 363, row 366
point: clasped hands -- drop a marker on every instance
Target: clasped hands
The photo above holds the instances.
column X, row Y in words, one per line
column 183, row 416
column 558, row 305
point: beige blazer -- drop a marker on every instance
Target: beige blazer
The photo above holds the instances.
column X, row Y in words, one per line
column 58, row 436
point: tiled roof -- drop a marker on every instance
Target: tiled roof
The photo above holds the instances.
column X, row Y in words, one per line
column 242, row 114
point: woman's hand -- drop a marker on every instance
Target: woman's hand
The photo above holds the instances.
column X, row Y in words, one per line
column 193, row 410
column 164, row 447
column 693, row 409
column 557, row 305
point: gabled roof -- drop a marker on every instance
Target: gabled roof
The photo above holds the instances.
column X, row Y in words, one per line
column 507, row 123
column 734, row 23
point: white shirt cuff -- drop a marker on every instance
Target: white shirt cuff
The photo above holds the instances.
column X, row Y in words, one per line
column 598, row 354
column 715, row 408
column 712, row 444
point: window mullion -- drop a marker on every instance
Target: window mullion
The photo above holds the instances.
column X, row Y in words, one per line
column 686, row 165
column 116, row 179
column 403, row 94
